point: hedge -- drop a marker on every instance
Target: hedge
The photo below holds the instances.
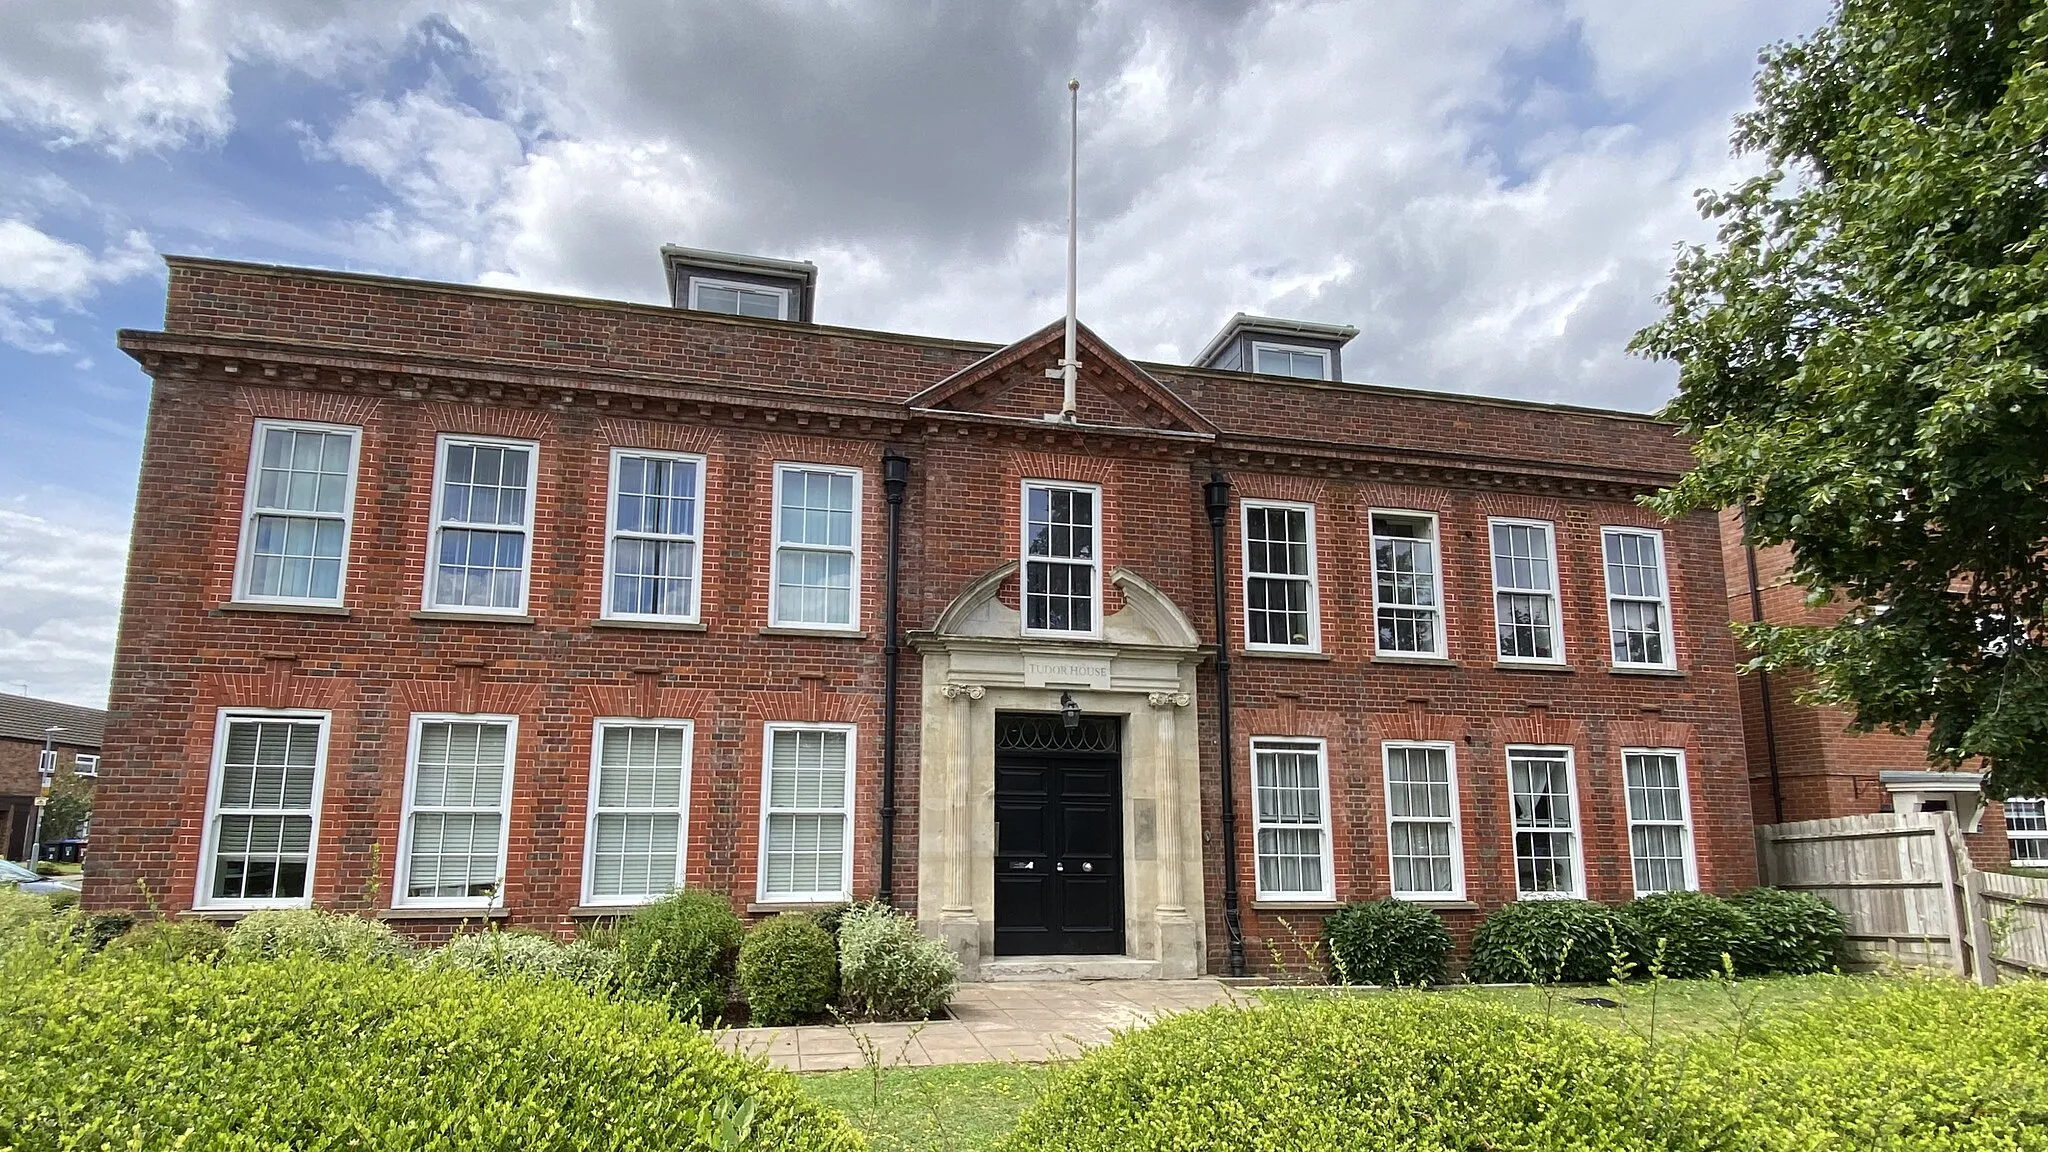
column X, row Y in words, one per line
column 1392, row 942
column 1905, row 1066
column 787, row 969
column 1689, row 935
column 681, row 949
column 127, row 1051
column 1797, row 933
column 1539, row 941
column 890, row 971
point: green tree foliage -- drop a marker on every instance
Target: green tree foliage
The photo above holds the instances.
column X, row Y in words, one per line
column 69, row 808
column 1863, row 363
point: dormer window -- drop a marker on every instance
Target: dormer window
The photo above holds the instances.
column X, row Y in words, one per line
column 1287, row 360
column 736, row 299
column 731, row 284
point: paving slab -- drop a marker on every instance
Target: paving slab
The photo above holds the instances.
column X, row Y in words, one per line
column 1023, row 1021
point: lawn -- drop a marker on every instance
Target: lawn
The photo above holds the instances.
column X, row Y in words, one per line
column 967, row 1107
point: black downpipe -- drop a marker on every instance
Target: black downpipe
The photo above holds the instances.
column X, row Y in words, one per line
column 895, row 477
column 1763, row 678
column 1216, row 498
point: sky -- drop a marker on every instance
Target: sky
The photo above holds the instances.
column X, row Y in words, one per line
column 1490, row 190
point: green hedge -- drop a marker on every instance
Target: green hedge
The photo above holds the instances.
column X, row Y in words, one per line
column 1389, row 942
column 132, row 1052
column 1796, row 933
column 890, row 971
column 1540, row 941
column 1904, row 1066
column 532, row 955
column 275, row 932
column 1689, row 935
column 681, row 949
column 787, row 970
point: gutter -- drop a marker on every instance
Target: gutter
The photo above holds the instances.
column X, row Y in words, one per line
column 1763, row 678
column 1216, row 499
column 895, row 477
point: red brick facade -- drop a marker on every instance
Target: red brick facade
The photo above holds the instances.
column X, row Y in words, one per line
column 1824, row 769
column 406, row 362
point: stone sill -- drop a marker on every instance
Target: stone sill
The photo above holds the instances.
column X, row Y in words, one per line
column 442, row 913
column 759, row 909
column 1449, row 905
column 1296, row 905
column 1624, row 670
column 1417, row 661
column 435, row 615
column 1282, row 654
column 1531, row 666
column 283, row 609
column 223, row 915
column 649, row 625
column 602, row 911
column 820, row 633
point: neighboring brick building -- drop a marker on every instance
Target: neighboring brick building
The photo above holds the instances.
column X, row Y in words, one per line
column 1804, row 761
column 25, row 723
column 499, row 542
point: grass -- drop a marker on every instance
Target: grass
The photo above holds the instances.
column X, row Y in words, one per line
column 953, row 1107
column 967, row 1107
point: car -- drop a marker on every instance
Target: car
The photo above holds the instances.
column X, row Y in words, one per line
column 13, row 875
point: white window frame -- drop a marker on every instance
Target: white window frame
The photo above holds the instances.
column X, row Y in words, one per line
column 781, row 295
column 1436, row 539
column 1244, row 552
column 1498, row 590
column 1457, row 819
column 1571, row 780
column 612, row 533
column 435, row 527
column 203, row 894
column 1322, row 750
column 590, row 810
column 845, row 890
column 244, row 554
column 1322, row 354
column 86, row 764
column 1024, row 559
column 403, row 864
column 1685, row 829
column 1663, row 602
column 2031, row 834
column 775, row 620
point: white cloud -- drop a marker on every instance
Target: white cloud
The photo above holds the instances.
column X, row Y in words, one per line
column 37, row 268
column 60, row 595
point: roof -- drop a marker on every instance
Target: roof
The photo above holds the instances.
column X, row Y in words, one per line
column 739, row 262
column 1272, row 325
column 26, row 718
column 1922, row 780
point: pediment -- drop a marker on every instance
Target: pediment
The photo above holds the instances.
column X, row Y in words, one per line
column 1111, row 391
column 1148, row 618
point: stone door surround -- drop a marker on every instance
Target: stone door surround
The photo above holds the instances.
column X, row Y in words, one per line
column 977, row 662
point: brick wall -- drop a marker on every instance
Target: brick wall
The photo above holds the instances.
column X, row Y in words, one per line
column 408, row 362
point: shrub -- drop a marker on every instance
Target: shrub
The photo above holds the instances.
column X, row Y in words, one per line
column 171, row 940
column 19, row 910
column 1797, row 933
column 787, row 968
column 102, row 928
column 1540, row 941
column 529, row 954
column 829, row 917
column 890, row 971
column 274, row 932
column 680, row 949
column 1687, row 934
column 1387, row 942
column 1907, row 1066
column 306, row 1053
column 1398, row 1071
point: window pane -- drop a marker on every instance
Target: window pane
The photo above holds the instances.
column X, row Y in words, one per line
column 1545, row 846
column 807, row 801
column 1287, row 788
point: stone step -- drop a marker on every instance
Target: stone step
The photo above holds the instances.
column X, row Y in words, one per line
column 1069, row 968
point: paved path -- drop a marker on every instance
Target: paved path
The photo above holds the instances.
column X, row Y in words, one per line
column 1022, row 1021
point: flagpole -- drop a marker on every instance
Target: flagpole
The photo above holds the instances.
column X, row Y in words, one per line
column 1070, row 366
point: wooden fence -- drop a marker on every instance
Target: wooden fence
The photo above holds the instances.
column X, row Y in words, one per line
column 1911, row 894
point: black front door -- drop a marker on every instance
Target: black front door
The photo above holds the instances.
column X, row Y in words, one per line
column 1059, row 837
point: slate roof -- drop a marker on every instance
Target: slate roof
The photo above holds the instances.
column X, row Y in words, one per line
column 25, row 718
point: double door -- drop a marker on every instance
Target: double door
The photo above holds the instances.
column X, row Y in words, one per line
column 1059, row 853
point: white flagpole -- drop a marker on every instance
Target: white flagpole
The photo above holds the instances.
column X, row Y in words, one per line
column 1070, row 366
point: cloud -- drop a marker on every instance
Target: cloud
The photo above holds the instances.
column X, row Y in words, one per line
column 60, row 594
column 37, row 268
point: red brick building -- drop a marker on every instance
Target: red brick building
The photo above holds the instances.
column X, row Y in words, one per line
column 27, row 726
column 1806, row 764
column 448, row 603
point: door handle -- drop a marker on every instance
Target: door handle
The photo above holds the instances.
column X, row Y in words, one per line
column 1087, row 866
column 1059, row 866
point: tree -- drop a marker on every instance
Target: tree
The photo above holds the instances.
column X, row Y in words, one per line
column 69, row 808
column 1863, row 366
